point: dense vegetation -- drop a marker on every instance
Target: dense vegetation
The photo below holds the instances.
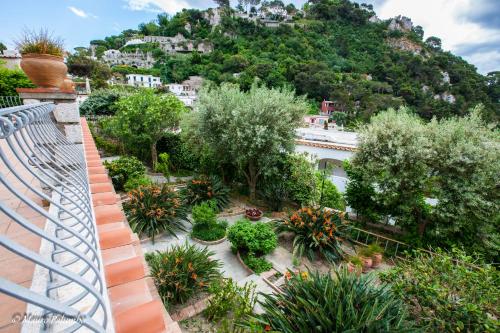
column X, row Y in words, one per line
column 438, row 180
column 339, row 303
column 448, row 292
column 335, row 53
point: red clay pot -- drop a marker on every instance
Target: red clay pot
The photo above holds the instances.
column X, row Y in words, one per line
column 367, row 263
column 376, row 259
column 44, row 70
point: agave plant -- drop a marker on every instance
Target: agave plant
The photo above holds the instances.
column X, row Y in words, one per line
column 316, row 231
column 182, row 271
column 154, row 209
column 204, row 188
column 312, row 302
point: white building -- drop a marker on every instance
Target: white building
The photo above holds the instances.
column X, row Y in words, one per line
column 12, row 59
column 143, row 81
column 187, row 91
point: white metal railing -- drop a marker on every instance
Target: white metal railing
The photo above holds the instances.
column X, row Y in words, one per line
column 74, row 289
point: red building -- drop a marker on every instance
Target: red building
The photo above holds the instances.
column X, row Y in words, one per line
column 327, row 107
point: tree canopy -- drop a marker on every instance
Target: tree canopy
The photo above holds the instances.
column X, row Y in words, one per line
column 438, row 179
column 143, row 118
column 249, row 130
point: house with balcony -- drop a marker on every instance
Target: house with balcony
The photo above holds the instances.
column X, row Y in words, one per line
column 143, row 81
column 69, row 260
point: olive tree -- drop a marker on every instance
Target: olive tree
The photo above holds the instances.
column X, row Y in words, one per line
column 392, row 159
column 406, row 162
column 249, row 130
column 143, row 118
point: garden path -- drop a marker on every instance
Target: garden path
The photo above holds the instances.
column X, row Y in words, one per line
column 231, row 267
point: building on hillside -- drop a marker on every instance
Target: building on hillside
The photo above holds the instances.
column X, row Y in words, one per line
column 143, row 81
column 176, row 44
column 12, row 59
column 316, row 120
column 187, row 91
column 327, row 108
column 137, row 59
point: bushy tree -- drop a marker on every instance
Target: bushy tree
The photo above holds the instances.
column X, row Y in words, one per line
column 102, row 102
column 249, row 129
column 143, row 118
column 402, row 163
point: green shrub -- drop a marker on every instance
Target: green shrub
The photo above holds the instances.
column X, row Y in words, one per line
column 210, row 234
column 124, row 168
column 256, row 264
column 229, row 304
column 163, row 165
column 181, row 157
column 152, row 210
column 327, row 194
column 206, row 227
column 207, row 188
column 102, row 102
column 447, row 295
column 316, row 231
column 325, row 303
column 258, row 238
column 204, row 214
column 10, row 79
column 136, row 182
column 182, row 271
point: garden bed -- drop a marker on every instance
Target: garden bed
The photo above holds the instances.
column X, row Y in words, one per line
column 215, row 242
column 195, row 305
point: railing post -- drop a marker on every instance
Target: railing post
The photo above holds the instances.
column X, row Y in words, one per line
column 66, row 111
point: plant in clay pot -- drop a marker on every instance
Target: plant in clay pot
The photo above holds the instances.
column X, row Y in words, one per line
column 253, row 214
column 377, row 252
column 42, row 58
column 366, row 257
column 355, row 265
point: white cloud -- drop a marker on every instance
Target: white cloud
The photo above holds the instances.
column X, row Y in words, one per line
column 81, row 13
column 445, row 19
column 169, row 6
column 78, row 12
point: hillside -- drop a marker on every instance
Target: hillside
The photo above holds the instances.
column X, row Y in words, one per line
column 334, row 49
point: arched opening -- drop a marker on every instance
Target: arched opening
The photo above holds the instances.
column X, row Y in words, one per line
column 335, row 172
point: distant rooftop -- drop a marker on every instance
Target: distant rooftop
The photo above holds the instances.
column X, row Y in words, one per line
column 333, row 136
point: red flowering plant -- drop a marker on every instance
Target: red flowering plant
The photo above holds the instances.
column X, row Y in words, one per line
column 317, row 231
column 153, row 209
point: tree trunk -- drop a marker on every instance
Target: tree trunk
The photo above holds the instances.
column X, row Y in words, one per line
column 252, row 180
column 154, row 156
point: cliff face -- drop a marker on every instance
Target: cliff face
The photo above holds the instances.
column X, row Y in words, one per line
column 405, row 44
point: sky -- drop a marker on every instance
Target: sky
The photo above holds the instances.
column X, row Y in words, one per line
column 468, row 28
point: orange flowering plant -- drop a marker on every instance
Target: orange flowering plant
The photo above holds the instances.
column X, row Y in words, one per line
column 182, row 271
column 317, row 231
column 154, row 209
column 203, row 188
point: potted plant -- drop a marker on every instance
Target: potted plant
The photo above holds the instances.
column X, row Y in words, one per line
column 366, row 257
column 42, row 58
column 377, row 252
column 253, row 214
column 355, row 264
